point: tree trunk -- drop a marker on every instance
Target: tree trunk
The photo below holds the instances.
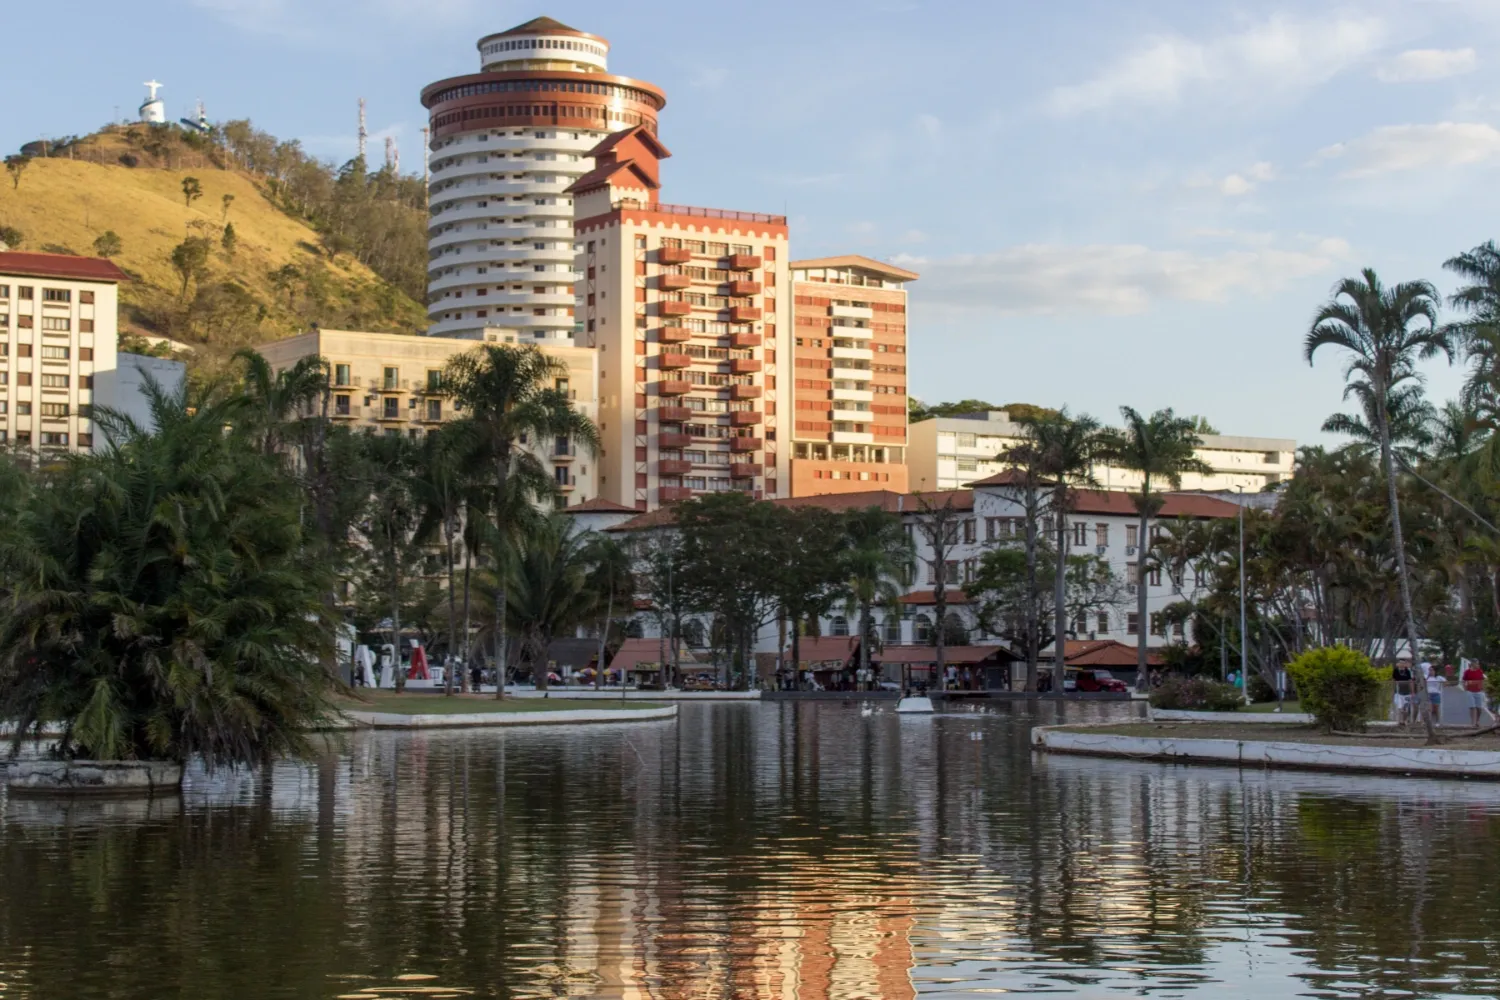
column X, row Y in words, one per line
column 1059, row 592
column 468, row 564
column 502, row 469
column 796, row 654
column 866, row 621
column 1142, row 620
column 609, row 612
column 1397, row 539
column 396, row 626
column 452, row 614
column 1033, row 594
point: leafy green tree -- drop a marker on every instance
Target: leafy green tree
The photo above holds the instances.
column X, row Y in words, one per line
column 508, row 394
column 225, row 202
column 1067, row 448
column 192, row 190
column 441, row 483
column 804, row 550
column 230, row 241
column 15, row 165
column 388, row 528
column 1161, row 448
column 1383, row 332
column 190, row 261
column 161, row 606
column 548, row 590
column 109, row 244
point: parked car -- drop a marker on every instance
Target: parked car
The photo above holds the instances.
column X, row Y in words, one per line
column 1099, row 680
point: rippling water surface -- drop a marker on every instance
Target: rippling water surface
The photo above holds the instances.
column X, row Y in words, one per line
column 777, row 850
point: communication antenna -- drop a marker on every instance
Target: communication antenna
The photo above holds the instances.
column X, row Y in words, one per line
column 426, row 132
column 363, row 133
column 392, row 155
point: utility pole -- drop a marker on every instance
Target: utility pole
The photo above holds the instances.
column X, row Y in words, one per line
column 363, row 132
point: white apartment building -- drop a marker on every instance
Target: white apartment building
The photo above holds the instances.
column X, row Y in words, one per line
column 507, row 143
column 949, row 453
column 57, row 332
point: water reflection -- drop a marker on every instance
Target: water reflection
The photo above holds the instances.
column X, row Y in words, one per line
column 754, row 851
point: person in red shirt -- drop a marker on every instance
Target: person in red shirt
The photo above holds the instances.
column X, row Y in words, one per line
column 1473, row 684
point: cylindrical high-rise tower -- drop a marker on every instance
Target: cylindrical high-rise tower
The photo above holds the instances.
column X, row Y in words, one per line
column 507, row 142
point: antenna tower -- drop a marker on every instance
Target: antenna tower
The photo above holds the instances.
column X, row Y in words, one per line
column 426, row 132
column 363, row 133
column 392, row 155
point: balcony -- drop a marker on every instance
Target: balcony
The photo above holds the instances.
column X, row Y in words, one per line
column 744, row 287
column 744, row 392
column 853, row 395
column 742, row 261
column 853, row 354
column 674, row 308
column 853, row 416
column 673, row 494
column 744, row 366
column 853, row 332
column 744, row 418
column 744, row 314
column 673, row 387
column 852, row 374
column 673, row 255
column 670, row 440
column 673, row 414
column 673, row 360
column 744, row 340
column 673, row 334
column 852, row 437
column 567, row 454
column 743, row 470
column 673, row 467
column 851, row 312
column 745, row 444
column 673, row 282
column 566, row 485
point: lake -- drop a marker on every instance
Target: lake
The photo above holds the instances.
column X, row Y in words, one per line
column 746, row 850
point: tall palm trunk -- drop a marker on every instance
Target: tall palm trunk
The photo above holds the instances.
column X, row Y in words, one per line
column 796, row 652
column 1033, row 600
column 501, row 469
column 1423, row 703
column 452, row 611
column 609, row 613
column 866, row 625
column 1059, row 593
column 1142, row 620
column 468, row 566
column 396, row 625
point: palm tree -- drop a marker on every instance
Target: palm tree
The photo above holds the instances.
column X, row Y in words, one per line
column 160, row 604
column 1066, row 447
column 1384, row 332
column 278, row 399
column 389, row 523
column 1410, row 418
column 609, row 577
column 440, row 481
column 1161, row 448
column 547, row 590
column 876, row 559
column 512, row 396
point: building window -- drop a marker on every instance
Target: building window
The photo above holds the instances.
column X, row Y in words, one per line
column 1080, row 534
column 23, row 350
column 85, row 381
column 341, row 405
column 391, row 378
column 922, row 629
column 434, row 380
column 23, row 378
column 341, row 375
column 54, row 439
column 1131, row 534
column 54, row 411
column 1101, row 534
column 1154, row 576
column 25, row 293
column 434, row 409
column 1080, row 624
column 86, row 298
column 1102, row 624
column 85, row 326
column 57, row 324
column 969, row 531
column 1132, row 624
column 392, row 409
column 1158, row 627
column 56, row 295
column 23, row 322
column 54, row 381
column 85, row 354
column 52, row 353
column 839, row 626
column 23, row 409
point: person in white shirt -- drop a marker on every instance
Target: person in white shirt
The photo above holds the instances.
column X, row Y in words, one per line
column 1434, row 691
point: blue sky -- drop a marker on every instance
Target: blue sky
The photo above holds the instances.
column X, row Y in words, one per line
column 1111, row 203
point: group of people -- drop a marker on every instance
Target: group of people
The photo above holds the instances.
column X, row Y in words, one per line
column 1428, row 682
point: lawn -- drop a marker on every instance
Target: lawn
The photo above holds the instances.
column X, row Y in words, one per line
column 1287, row 707
column 390, row 703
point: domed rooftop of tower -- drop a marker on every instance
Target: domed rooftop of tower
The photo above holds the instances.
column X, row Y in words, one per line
column 545, row 26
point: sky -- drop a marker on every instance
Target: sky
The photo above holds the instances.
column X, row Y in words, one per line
column 1110, row 203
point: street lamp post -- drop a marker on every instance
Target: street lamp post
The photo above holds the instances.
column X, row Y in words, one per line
column 1244, row 648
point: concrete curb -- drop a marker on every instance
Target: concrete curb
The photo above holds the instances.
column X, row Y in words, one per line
column 567, row 717
column 1426, row 761
column 1253, row 718
column 607, row 695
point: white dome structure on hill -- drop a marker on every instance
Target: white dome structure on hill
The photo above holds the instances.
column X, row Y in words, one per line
column 153, row 109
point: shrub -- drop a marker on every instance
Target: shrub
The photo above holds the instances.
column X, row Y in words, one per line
column 1260, row 690
column 1338, row 686
column 1195, row 694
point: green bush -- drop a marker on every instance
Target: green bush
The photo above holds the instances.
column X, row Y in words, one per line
column 1195, row 694
column 1338, row 686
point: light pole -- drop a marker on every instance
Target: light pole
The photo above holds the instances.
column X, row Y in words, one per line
column 1244, row 648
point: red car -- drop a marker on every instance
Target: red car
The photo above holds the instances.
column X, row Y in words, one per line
column 1100, row 680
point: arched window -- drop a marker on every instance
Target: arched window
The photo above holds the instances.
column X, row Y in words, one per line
column 839, row 625
column 892, row 630
column 922, row 628
column 955, row 633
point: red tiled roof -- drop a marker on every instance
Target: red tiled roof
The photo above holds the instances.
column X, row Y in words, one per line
column 598, row 505
column 601, row 175
column 1102, row 653
column 886, row 500
column 1122, row 502
column 930, row 597
column 640, row 132
column 956, row 655
column 60, row 265
column 634, row 652
column 827, row 649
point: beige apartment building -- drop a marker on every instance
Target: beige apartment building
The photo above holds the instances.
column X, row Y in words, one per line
column 689, row 310
column 849, row 368
column 391, row 383
column 57, row 331
column 948, row 453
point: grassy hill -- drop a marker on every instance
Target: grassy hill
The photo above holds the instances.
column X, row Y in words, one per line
column 278, row 279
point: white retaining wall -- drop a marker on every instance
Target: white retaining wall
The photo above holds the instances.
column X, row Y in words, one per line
column 384, row 720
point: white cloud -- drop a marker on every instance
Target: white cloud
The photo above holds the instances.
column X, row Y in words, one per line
column 1277, row 55
column 1110, row 279
column 1428, row 64
column 1235, row 185
column 1415, row 147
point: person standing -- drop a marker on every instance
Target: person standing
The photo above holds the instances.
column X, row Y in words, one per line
column 1473, row 684
column 1434, row 691
column 1401, row 674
